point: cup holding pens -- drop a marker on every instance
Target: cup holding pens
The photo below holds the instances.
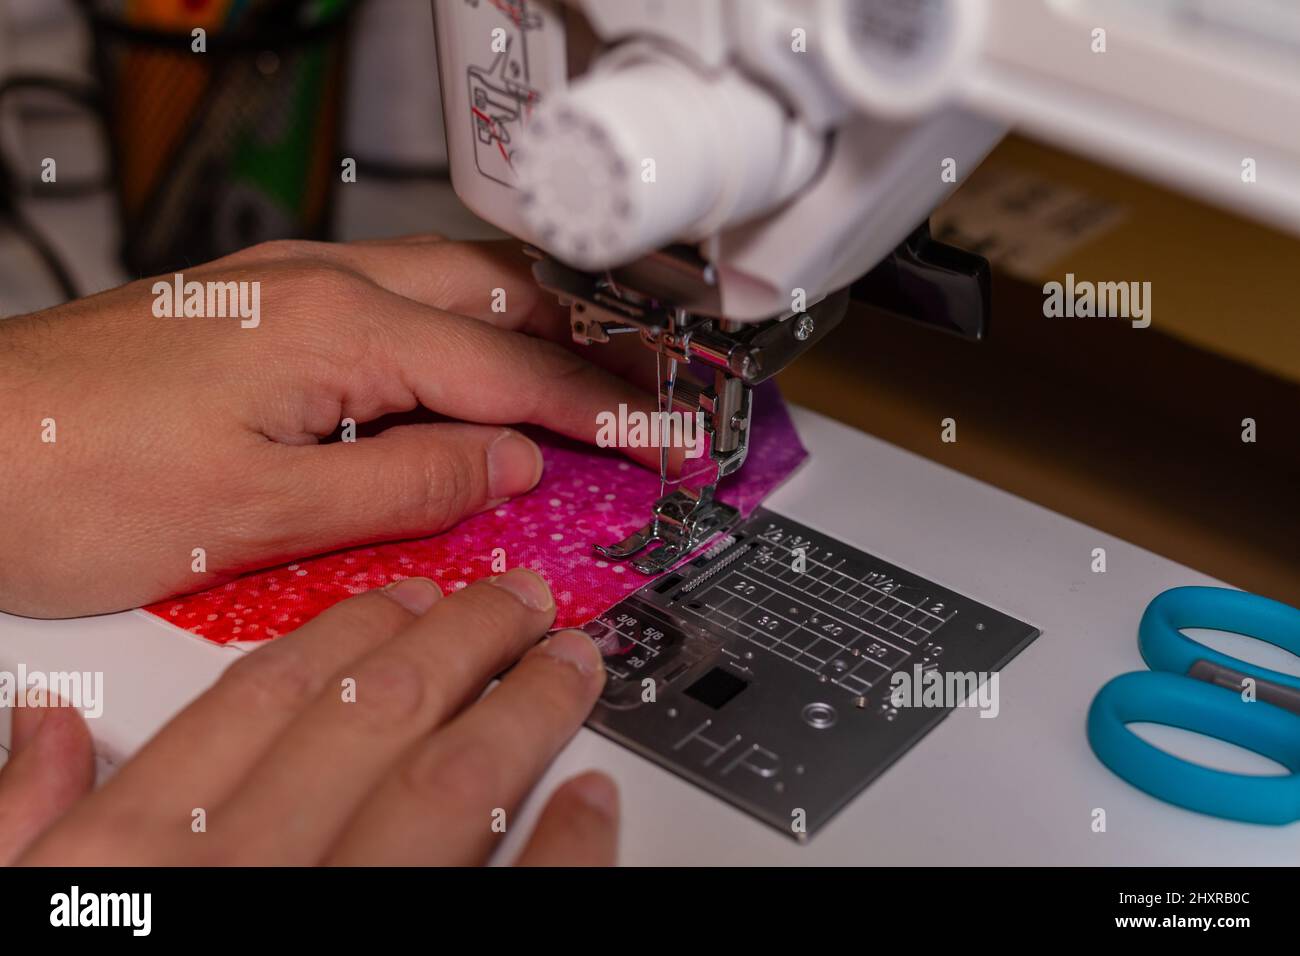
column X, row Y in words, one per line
column 223, row 119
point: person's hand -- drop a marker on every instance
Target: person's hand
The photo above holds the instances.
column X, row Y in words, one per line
column 359, row 738
column 171, row 435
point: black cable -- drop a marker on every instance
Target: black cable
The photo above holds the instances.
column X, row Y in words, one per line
column 10, row 211
column 44, row 251
column 76, row 90
column 70, row 189
column 83, row 94
column 387, row 169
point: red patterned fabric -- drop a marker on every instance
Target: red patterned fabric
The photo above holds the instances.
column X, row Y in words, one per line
column 586, row 496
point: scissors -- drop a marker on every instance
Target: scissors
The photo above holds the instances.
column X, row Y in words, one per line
column 1197, row 688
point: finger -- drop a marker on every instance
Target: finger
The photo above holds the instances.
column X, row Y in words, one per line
column 339, row 750
column 579, row 826
column 302, row 250
column 199, row 758
column 414, row 238
column 471, row 371
column 444, row 804
column 51, row 766
column 490, row 281
column 394, row 354
column 406, row 482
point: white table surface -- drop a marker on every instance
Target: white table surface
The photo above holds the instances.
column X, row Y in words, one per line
column 1019, row 788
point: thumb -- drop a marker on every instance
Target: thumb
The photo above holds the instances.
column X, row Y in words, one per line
column 52, row 765
column 409, row 481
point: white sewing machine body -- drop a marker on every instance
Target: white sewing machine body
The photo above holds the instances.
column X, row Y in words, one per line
column 692, row 170
column 795, row 143
column 716, row 175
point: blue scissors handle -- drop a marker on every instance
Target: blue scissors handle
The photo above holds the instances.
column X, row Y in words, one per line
column 1165, row 695
column 1194, row 705
column 1165, row 648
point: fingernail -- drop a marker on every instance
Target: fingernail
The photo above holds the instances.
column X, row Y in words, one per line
column 528, row 587
column 599, row 792
column 417, row 595
column 514, row 465
column 574, row 647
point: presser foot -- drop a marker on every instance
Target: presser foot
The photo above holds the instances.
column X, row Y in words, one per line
column 682, row 522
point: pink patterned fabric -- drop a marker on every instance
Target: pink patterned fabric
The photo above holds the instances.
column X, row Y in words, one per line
column 586, row 496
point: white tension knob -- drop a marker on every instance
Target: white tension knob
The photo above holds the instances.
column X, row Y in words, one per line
column 631, row 158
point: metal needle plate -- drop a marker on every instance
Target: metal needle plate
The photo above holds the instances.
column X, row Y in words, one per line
column 769, row 686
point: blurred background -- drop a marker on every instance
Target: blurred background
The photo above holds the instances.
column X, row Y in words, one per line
column 165, row 159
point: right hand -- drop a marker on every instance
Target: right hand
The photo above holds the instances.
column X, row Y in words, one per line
column 415, row 769
column 177, row 434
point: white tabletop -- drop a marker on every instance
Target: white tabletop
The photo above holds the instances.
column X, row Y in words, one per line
column 1019, row 788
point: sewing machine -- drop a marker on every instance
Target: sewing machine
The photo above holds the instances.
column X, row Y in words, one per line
column 1023, row 788
column 720, row 177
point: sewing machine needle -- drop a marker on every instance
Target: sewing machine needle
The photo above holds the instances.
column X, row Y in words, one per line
column 666, row 387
